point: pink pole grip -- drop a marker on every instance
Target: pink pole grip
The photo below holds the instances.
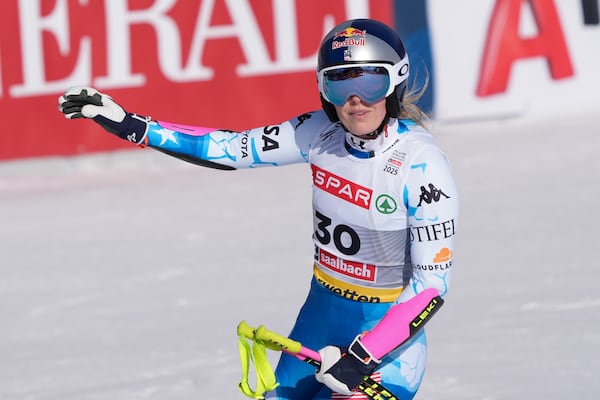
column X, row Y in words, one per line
column 394, row 327
column 307, row 353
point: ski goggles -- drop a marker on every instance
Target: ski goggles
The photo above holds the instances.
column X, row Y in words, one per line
column 371, row 82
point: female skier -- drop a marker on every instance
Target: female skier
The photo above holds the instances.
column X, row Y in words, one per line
column 385, row 207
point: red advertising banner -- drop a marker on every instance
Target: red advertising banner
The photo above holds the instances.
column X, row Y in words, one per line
column 231, row 64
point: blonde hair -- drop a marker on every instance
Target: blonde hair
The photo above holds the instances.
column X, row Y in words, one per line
column 410, row 109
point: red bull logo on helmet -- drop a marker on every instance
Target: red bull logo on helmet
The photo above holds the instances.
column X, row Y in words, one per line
column 351, row 36
column 350, row 32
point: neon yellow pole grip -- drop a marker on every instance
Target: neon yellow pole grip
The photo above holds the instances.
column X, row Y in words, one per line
column 272, row 340
column 245, row 330
column 275, row 341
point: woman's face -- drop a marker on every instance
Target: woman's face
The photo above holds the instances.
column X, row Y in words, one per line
column 361, row 118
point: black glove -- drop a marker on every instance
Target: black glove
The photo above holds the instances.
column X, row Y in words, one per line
column 343, row 371
column 87, row 102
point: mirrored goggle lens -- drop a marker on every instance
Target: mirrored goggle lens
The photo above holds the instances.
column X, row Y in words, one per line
column 371, row 84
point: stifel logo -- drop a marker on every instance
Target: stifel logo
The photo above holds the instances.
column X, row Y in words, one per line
column 353, row 269
column 342, row 188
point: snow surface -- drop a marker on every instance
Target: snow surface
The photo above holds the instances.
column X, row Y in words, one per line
column 124, row 275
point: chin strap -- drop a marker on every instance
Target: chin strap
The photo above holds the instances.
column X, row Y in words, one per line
column 376, row 132
column 380, row 128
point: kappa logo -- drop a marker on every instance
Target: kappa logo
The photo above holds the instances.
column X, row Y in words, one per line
column 432, row 195
column 342, row 188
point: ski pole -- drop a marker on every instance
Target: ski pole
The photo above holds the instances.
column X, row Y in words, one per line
column 404, row 320
column 274, row 341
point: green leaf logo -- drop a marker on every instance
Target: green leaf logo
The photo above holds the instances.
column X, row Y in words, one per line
column 385, row 204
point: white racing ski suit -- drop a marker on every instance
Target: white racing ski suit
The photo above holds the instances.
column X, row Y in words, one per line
column 384, row 213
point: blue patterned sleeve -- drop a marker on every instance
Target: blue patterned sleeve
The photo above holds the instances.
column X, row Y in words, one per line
column 271, row 145
column 431, row 198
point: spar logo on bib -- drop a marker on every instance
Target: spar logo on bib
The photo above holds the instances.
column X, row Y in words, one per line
column 342, row 188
